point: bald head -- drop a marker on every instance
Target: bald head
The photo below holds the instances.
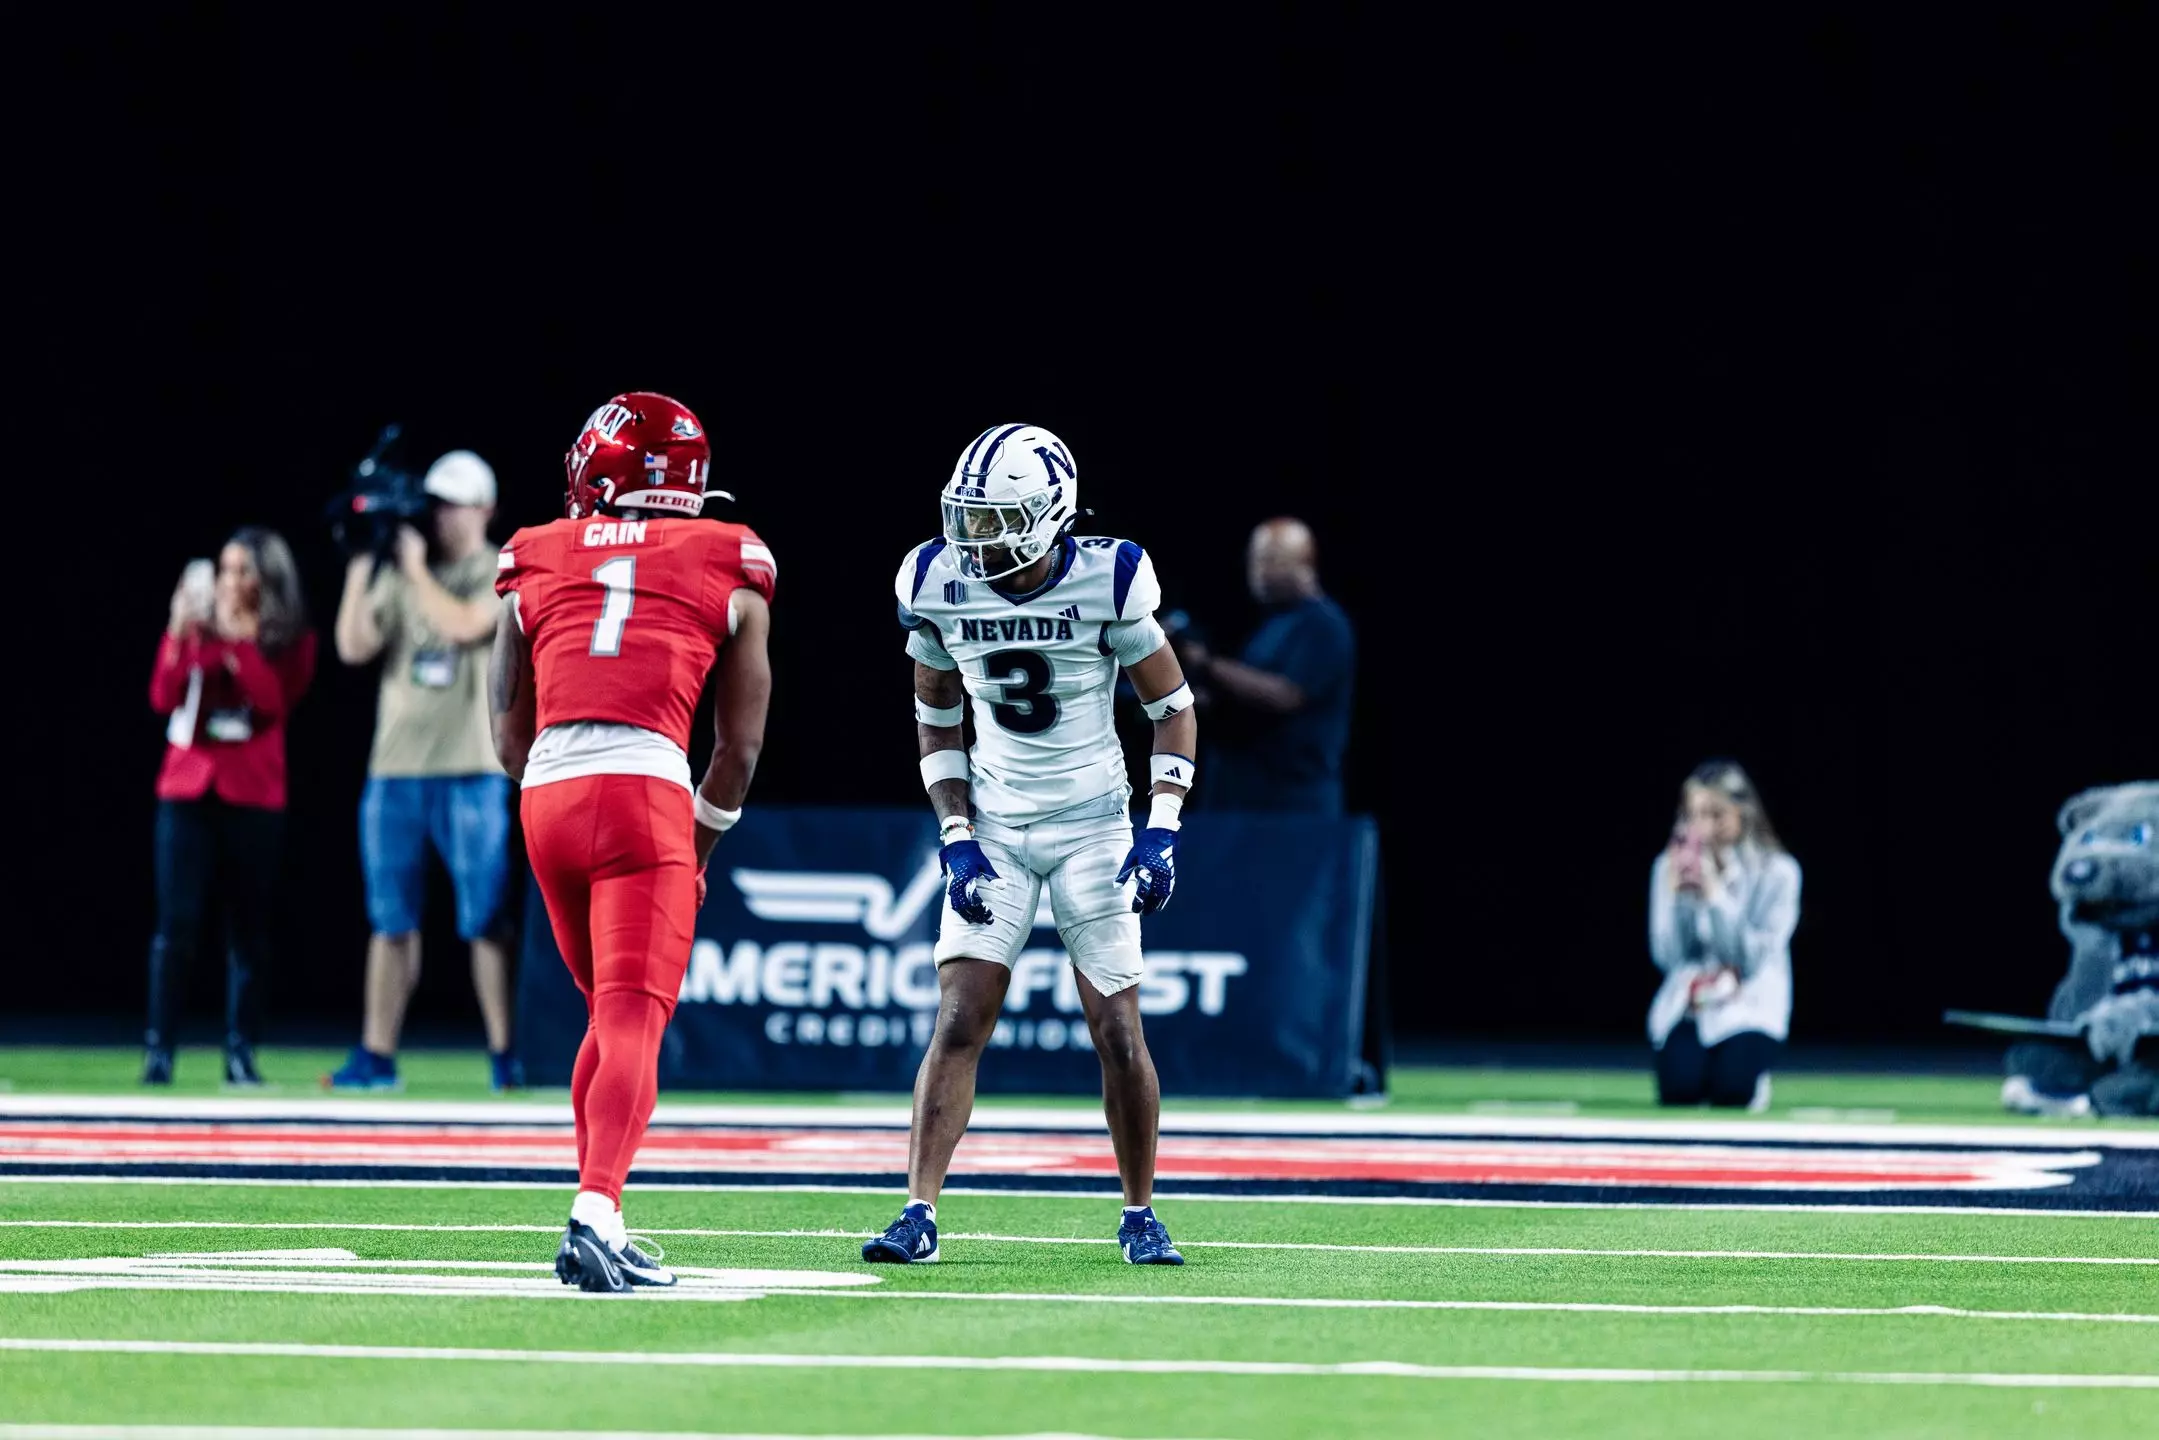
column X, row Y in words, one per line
column 1282, row 562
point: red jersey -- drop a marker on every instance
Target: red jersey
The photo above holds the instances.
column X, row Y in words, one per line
column 233, row 740
column 625, row 616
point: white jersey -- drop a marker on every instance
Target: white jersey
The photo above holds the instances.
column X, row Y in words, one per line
column 1040, row 669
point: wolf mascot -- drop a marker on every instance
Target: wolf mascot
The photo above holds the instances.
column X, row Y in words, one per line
column 2106, row 879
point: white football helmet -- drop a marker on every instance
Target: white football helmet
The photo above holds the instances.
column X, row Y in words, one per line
column 1011, row 498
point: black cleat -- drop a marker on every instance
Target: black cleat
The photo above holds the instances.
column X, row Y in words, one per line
column 240, row 1071
column 585, row 1261
column 157, row 1066
column 640, row 1260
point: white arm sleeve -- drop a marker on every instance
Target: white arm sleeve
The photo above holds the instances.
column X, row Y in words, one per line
column 923, row 644
column 1132, row 641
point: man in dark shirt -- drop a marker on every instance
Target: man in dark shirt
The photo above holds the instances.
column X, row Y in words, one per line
column 1288, row 694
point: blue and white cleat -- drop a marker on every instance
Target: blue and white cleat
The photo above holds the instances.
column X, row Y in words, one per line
column 365, row 1070
column 1144, row 1240
column 909, row 1240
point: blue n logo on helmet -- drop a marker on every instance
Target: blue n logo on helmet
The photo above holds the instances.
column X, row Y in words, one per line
column 1053, row 457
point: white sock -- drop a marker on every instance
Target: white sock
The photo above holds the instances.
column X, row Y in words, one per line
column 596, row 1210
column 913, row 1201
column 1138, row 1209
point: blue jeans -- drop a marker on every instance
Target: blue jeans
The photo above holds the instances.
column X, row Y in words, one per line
column 467, row 820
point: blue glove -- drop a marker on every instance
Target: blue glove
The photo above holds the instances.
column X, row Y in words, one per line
column 965, row 863
column 1154, row 857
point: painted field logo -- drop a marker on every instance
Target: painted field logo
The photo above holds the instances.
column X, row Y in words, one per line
column 1643, row 1166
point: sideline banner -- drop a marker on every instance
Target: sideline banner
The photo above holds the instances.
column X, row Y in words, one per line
column 812, row 966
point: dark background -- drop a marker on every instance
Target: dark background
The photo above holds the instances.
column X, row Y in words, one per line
column 1770, row 385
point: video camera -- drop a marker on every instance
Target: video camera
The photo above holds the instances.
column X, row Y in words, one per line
column 364, row 518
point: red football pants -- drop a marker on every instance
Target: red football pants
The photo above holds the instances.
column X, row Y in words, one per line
column 616, row 858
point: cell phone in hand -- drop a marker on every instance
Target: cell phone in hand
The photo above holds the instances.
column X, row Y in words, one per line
column 199, row 584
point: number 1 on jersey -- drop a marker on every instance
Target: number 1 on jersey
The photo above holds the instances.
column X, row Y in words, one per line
column 618, row 577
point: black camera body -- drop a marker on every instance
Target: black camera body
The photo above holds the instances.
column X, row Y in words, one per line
column 364, row 518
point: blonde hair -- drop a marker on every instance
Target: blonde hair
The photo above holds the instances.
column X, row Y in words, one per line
column 1730, row 779
column 283, row 608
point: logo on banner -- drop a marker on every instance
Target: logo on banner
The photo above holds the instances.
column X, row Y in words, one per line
column 842, row 897
column 820, row 989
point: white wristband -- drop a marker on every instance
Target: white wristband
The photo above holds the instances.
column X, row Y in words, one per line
column 1177, row 699
column 1176, row 769
column 944, row 765
column 712, row 817
column 1164, row 813
column 953, row 825
column 944, row 717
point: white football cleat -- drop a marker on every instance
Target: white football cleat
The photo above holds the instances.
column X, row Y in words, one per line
column 2021, row 1097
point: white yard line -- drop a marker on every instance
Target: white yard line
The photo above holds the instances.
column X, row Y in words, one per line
column 1568, row 1307
column 342, row 1272
column 1343, row 1122
column 1068, row 1364
column 1182, row 1198
column 991, row 1239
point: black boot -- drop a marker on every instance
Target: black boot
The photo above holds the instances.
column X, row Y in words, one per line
column 168, row 977
column 240, row 1065
column 156, row 1066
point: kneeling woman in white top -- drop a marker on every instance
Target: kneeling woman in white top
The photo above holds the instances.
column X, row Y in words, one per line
column 1723, row 902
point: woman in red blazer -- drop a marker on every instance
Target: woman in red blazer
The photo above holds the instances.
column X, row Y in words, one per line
column 228, row 673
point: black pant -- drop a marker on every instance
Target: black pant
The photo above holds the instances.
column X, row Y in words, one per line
column 204, row 848
column 1690, row 1073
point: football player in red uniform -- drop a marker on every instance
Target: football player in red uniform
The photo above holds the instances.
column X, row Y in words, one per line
column 611, row 622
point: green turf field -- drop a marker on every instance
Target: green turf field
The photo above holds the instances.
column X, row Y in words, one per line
column 431, row 1306
column 1039, row 1287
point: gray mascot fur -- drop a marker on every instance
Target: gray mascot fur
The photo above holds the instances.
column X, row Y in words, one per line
column 2106, row 879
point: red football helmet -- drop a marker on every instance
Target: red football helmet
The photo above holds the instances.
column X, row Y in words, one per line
column 639, row 451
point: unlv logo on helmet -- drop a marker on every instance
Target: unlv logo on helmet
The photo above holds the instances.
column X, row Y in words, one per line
column 639, row 452
column 609, row 419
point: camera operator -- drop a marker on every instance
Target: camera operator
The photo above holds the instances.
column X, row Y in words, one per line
column 1723, row 902
column 428, row 611
column 236, row 657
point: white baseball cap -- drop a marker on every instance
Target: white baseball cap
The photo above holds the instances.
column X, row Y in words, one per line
column 461, row 478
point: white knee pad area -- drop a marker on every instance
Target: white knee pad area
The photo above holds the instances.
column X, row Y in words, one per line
column 1106, row 951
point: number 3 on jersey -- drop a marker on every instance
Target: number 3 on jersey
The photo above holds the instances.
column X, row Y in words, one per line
column 618, row 577
column 1028, row 708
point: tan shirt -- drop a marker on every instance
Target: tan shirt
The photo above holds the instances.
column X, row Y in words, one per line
column 432, row 717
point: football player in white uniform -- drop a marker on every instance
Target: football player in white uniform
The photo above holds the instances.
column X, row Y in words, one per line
column 1012, row 616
